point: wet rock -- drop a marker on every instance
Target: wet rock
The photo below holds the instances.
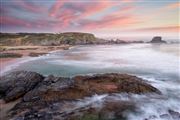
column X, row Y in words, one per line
column 16, row 84
column 116, row 110
column 113, row 83
column 35, row 115
column 52, row 97
column 49, row 89
column 165, row 116
column 53, row 88
column 175, row 115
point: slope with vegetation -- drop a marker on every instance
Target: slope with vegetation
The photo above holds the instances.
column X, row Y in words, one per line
column 72, row 38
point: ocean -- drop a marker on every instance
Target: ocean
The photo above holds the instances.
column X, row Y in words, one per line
column 158, row 64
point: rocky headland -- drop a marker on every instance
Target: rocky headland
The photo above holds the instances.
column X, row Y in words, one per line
column 51, row 39
column 50, row 97
column 48, row 39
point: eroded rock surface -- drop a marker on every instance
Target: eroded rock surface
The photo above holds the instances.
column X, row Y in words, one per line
column 16, row 84
column 54, row 97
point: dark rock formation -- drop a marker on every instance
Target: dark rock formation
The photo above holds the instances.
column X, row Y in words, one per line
column 35, row 54
column 115, row 109
column 171, row 115
column 157, row 39
column 51, row 88
column 52, row 97
column 175, row 115
column 10, row 55
column 16, row 84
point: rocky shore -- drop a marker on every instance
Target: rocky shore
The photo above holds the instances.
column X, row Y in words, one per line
column 45, row 98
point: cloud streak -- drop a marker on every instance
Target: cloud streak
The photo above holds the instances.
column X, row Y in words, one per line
column 160, row 29
column 69, row 15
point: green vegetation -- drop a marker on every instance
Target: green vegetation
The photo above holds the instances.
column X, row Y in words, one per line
column 72, row 38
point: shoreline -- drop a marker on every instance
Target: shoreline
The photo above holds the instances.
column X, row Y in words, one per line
column 6, row 64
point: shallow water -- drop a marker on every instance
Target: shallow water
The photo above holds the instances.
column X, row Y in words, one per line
column 158, row 64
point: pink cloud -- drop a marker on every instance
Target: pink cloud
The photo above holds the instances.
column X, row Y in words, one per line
column 111, row 22
column 56, row 7
column 160, row 29
column 96, row 7
column 86, row 8
column 78, row 11
column 11, row 21
column 30, row 7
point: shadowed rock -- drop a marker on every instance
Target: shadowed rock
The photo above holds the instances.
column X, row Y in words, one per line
column 16, row 84
column 175, row 115
column 49, row 97
column 53, row 88
column 49, row 89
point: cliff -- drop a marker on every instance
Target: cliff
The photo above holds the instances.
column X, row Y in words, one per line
column 72, row 38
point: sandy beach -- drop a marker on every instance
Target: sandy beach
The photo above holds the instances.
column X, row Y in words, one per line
column 26, row 52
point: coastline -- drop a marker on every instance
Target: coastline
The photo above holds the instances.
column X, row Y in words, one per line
column 6, row 64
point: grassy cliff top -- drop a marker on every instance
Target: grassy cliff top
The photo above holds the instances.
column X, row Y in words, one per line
column 46, row 38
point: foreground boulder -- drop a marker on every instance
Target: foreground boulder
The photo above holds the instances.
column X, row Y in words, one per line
column 16, row 84
column 113, row 83
column 53, row 88
column 54, row 97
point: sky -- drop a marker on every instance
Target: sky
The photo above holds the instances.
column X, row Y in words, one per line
column 104, row 18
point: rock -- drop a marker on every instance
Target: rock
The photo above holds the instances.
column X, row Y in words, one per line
column 165, row 116
column 35, row 115
column 10, row 55
column 115, row 110
column 49, row 89
column 16, row 84
column 53, row 97
column 34, row 54
column 53, row 88
column 175, row 115
column 113, row 83
column 157, row 39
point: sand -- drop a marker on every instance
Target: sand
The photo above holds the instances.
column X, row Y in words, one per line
column 25, row 50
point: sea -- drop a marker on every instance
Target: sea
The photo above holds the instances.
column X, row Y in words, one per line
column 157, row 64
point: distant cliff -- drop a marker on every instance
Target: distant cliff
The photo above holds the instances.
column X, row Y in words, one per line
column 72, row 38
column 50, row 39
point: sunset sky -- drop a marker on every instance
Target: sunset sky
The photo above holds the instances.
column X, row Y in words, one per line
column 124, row 18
